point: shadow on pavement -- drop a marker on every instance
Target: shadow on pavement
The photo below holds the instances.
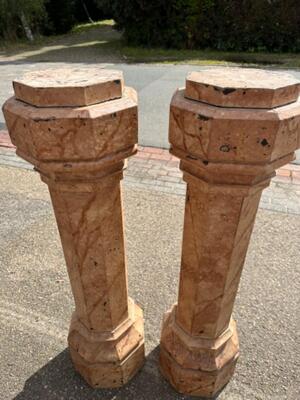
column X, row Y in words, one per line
column 58, row 380
column 103, row 44
column 94, row 52
column 96, row 45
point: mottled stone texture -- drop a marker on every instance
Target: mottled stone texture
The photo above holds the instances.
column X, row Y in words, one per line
column 71, row 87
column 80, row 153
column 228, row 156
column 259, row 89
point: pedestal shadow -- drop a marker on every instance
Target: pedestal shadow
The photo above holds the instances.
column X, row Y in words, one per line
column 58, row 380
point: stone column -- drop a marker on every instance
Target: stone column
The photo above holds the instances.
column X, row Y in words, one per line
column 231, row 128
column 77, row 126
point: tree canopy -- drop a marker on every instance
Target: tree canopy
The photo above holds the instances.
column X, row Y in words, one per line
column 272, row 25
column 19, row 18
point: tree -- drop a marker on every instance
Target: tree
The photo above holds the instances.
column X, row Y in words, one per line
column 243, row 25
column 60, row 16
column 88, row 10
column 19, row 18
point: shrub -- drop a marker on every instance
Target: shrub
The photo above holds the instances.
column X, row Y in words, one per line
column 60, row 16
column 159, row 23
column 250, row 25
column 63, row 15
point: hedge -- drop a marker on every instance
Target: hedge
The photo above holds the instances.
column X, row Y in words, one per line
column 240, row 25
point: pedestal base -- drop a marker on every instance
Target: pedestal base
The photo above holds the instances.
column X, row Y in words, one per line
column 108, row 360
column 196, row 366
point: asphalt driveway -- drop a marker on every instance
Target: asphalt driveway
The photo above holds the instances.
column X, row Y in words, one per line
column 36, row 301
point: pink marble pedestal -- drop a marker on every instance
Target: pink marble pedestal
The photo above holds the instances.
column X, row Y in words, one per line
column 231, row 128
column 77, row 126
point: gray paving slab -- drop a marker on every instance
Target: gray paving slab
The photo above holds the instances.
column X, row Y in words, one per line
column 36, row 301
column 154, row 83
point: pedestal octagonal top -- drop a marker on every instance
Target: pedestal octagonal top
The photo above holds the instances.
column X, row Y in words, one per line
column 73, row 87
column 241, row 87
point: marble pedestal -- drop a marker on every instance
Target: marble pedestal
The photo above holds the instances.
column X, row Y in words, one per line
column 231, row 129
column 77, row 126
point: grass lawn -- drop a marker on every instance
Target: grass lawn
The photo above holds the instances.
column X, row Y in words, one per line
column 99, row 42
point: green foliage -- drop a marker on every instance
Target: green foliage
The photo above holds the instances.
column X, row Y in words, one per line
column 86, row 9
column 60, row 16
column 251, row 25
column 12, row 12
column 45, row 16
column 160, row 23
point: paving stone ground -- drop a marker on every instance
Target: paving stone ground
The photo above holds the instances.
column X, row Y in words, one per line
column 156, row 170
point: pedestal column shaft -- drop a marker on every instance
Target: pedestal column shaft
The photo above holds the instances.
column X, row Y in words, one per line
column 217, row 228
column 91, row 228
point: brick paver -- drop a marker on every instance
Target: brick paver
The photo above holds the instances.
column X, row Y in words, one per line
column 5, row 140
column 155, row 169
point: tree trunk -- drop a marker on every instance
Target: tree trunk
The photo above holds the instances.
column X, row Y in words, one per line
column 26, row 27
column 87, row 12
